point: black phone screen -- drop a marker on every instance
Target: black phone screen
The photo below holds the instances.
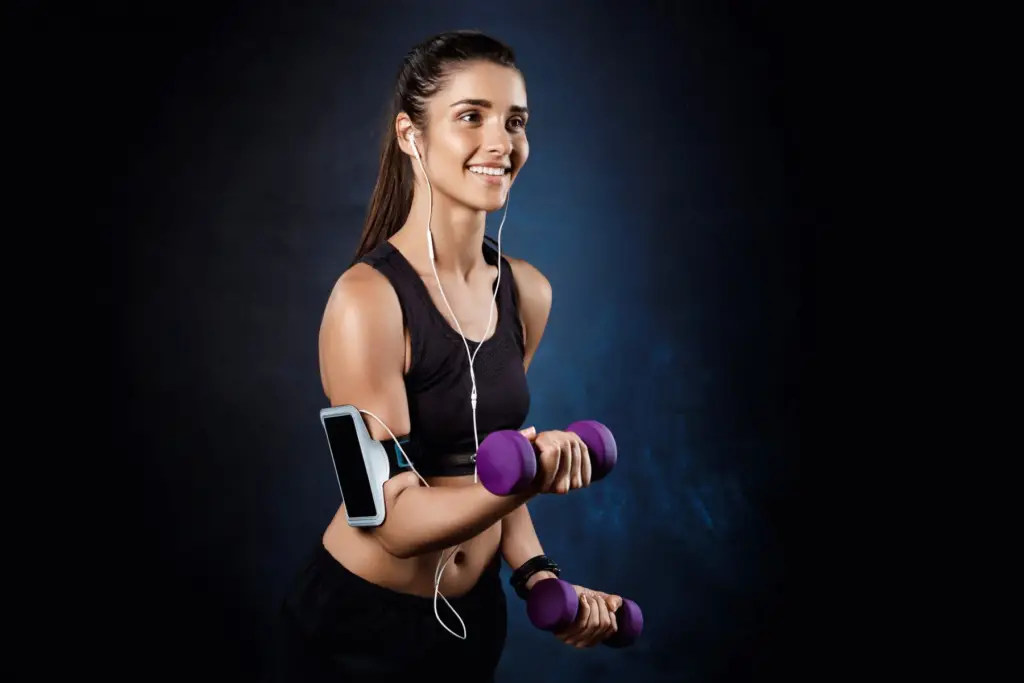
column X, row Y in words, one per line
column 348, row 463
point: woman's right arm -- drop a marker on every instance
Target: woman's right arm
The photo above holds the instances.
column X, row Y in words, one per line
column 362, row 359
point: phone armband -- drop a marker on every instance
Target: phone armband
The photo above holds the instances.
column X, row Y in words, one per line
column 362, row 464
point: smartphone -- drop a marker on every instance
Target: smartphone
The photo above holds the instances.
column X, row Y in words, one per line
column 360, row 464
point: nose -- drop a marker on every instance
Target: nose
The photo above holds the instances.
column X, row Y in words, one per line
column 498, row 140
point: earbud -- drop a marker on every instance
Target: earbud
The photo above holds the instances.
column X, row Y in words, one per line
column 411, row 137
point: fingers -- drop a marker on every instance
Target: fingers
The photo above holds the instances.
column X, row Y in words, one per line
column 593, row 623
column 549, row 462
column 530, row 433
column 577, row 635
column 614, row 601
column 564, row 461
column 564, row 466
column 603, row 628
column 572, row 635
column 575, row 473
column 596, row 621
column 585, row 465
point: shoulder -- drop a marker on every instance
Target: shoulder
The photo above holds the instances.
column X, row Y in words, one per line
column 534, row 294
column 533, row 286
column 362, row 303
column 362, row 347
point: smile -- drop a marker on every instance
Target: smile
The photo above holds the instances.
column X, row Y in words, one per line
column 488, row 170
column 489, row 174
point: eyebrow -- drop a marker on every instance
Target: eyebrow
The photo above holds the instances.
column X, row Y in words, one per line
column 487, row 104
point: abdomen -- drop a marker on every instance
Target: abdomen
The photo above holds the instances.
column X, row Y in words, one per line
column 361, row 554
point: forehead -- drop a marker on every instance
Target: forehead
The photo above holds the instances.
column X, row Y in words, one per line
column 502, row 85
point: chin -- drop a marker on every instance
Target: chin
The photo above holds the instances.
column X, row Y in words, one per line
column 486, row 195
column 496, row 204
column 486, row 201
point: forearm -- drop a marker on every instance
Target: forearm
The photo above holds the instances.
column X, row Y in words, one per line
column 428, row 519
column 519, row 542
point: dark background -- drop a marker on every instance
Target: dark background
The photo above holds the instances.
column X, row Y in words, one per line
column 222, row 156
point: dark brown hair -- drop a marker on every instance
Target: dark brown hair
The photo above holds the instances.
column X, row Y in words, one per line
column 424, row 71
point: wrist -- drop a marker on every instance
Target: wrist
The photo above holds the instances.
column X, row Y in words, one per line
column 530, row 572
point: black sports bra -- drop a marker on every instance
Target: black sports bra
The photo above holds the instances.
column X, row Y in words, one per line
column 438, row 385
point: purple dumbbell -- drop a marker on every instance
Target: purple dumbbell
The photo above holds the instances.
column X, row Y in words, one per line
column 552, row 606
column 507, row 462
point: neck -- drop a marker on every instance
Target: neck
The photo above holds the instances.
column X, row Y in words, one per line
column 458, row 234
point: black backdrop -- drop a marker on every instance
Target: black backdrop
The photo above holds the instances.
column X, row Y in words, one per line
column 672, row 198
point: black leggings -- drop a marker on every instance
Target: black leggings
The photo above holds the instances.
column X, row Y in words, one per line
column 337, row 626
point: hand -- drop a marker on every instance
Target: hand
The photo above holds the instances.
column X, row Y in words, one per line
column 563, row 461
column 595, row 620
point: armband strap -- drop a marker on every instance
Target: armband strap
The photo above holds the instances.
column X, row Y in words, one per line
column 397, row 462
column 540, row 563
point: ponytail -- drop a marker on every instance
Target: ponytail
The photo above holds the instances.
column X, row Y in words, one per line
column 392, row 197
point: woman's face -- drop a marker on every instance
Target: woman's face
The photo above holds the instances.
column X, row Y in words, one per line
column 476, row 135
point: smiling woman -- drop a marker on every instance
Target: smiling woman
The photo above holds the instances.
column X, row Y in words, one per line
column 461, row 134
column 426, row 308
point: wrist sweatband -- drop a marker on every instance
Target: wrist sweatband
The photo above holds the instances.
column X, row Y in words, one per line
column 540, row 563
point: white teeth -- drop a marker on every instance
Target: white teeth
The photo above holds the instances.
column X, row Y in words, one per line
column 487, row 170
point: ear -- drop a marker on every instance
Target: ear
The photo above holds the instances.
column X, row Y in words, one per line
column 403, row 126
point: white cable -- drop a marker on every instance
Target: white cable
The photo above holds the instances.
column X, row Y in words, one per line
column 437, row 575
column 439, row 571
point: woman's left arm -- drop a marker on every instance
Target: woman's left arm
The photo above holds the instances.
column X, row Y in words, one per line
column 596, row 618
column 519, row 540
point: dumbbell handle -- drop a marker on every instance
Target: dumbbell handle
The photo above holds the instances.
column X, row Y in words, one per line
column 552, row 605
column 507, row 461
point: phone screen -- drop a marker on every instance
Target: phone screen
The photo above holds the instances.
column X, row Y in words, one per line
column 348, row 463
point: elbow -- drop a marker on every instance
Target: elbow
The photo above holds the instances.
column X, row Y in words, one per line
column 401, row 551
column 396, row 545
column 393, row 535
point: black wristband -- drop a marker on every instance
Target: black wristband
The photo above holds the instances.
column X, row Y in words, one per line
column 540, row 563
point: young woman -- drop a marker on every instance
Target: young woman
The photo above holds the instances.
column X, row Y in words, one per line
column 431, row 332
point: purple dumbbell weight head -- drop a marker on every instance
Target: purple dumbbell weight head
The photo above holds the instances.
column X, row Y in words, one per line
column 601, row 445
column 507, row 461
column 553, row 604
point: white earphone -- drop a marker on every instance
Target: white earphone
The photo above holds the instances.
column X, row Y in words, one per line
column 410, row 136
